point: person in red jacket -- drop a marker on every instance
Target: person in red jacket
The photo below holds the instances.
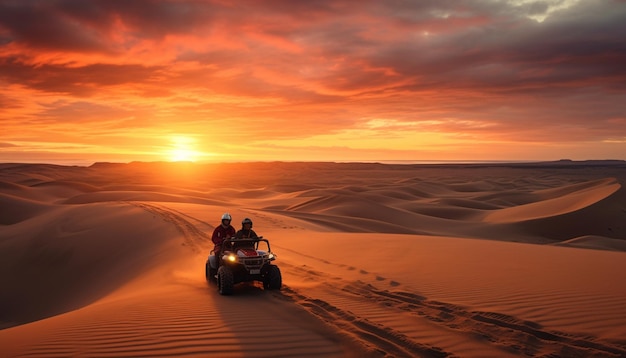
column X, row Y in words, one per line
column 222, row 232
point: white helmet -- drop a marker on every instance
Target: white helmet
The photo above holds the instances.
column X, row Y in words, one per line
column 226, row 216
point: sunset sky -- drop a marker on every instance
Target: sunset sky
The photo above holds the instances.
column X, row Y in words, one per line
column 113, row 80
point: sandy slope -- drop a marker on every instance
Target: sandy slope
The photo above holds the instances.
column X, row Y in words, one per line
column 376, row 260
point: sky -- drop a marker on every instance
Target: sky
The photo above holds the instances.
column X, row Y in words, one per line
column 348, row 80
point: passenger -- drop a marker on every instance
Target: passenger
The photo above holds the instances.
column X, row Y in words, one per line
column 222, row 232
column 246, row 231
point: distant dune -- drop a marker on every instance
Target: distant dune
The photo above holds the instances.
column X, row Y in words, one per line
column 436, row 260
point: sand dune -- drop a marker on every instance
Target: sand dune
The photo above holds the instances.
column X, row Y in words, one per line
column 15, row 209
column 137, row 196
column 554, row 202
column 377, row 260
column 73, row 255
column 595, row 242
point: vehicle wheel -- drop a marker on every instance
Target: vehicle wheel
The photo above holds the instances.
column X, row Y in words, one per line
column 210, row 273
column 225, row 280
column 273, row 280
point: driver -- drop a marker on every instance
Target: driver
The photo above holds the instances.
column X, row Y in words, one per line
column 246, row 231
column 222, row 232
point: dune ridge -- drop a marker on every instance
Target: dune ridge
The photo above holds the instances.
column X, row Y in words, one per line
column 377, row 260
column 555, row 202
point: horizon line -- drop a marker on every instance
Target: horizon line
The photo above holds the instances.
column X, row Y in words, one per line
column 385, row 162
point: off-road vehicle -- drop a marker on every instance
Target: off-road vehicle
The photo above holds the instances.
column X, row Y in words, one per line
column 243, row 260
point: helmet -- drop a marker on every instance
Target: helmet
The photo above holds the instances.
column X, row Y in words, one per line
column 226, row 216
column 246, row 221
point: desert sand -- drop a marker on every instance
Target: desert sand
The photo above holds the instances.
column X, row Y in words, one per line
column 476, row 260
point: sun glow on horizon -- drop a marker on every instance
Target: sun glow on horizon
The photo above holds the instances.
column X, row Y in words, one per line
column 183, row 149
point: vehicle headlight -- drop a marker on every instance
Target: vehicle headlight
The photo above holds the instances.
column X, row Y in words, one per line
column 272, row 256
column 231, row 258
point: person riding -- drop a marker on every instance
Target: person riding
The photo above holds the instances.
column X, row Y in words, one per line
column 222, row 232
column 246, row 231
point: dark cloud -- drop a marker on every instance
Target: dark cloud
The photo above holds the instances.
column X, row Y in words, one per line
column 516, row 53
column 436, row 43
column 43, row 25
column 92, row 26
column 78, row 81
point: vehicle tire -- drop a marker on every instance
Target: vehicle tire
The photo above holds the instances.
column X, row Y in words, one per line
column 225, row 280
column 210, row 273
column 273, row 280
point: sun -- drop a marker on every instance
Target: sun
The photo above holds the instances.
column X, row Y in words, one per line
column 183, row 155
column 182, row 149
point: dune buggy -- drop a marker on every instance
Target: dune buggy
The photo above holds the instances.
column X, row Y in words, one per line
column 243, row 260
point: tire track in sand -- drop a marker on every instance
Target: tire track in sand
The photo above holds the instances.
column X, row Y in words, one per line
column 376, row 339
column 196, row 239
column 401, row 319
